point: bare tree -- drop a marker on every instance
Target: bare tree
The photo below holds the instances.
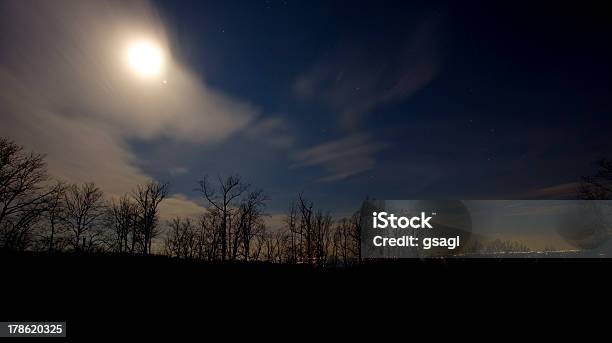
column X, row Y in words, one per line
column 305, row 228
column 222, row 199
column 182, row 239
column 314, row 232
column 598, row 187
column 55, row 215
column 23, row 196
column 340, row 241
column 270, row 246
column 209, row 235
column 347, row 240
column 84, row 210
column 123, row 219
column 321, row 236
column 147, row 198
column 250, row 219
column 355, row 233
column 281, row 240
column 291, row 220
column 261, row 239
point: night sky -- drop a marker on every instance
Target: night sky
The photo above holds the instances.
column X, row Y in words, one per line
column 393, row 99
column 499, row 101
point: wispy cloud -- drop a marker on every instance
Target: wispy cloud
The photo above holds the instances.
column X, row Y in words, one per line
column 178, row 170
column 355, row 81
column 341, row 158
column 273, row 131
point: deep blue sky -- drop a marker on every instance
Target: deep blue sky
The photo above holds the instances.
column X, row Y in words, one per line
column 448, row 100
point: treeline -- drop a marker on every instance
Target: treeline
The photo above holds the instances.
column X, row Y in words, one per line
column 41, row 214
column 38, row 213
column 234, row 229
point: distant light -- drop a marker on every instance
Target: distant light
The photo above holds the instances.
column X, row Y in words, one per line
column 145, row 58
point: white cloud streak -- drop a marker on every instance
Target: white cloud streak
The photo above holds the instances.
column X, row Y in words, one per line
column 341, row 158
column 273, row 131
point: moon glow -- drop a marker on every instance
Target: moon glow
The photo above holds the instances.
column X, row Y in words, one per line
column 145, row 58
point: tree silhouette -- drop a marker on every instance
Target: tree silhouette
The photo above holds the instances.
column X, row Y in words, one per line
column 23, row 196
column 123, row 219
column 147, row 198
column 250, row 221
column 182, row 240
column 599, row 186
column 84, row 211
column 222, row 199
column 209, row 235
column 295, row 234
column 55, row 214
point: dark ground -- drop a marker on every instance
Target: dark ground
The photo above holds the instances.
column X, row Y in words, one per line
column 119, row 296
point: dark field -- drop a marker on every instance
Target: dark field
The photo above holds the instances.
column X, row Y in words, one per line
column 118, row 295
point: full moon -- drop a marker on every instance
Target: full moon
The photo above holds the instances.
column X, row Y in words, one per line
column 145, row 58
